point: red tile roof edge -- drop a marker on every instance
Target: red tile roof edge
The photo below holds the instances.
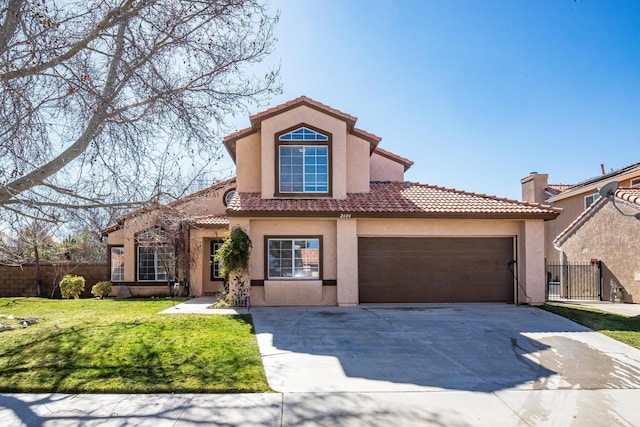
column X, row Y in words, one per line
column 170, row 207
column 212, row 220
column 213, row 187
column 544, row 211
column 389, row 155
column 631, row 195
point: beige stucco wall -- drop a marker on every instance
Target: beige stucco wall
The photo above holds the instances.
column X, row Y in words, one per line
column 436, row 228
column 612, row 238
column 303, row 114
column 249, row 164
column 531, row 267
column 384, row 169
column 340, row 253
column 357, row 165
column 199, row 247
column 572, row 208
column 347, row 256
column 260, row 228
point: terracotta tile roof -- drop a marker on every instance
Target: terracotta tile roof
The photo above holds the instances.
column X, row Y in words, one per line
column 215, row 220
column 389, row 155
column 170, row 207
column 218, row 185
column 631, row 195
column 627, row 172
column 554, row 189
column 367, row 136
column 395, row 199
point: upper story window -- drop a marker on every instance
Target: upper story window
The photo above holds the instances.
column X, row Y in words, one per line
column 228, row 195
column 303, row 134
column 303, row 156
column 635, row 182
column 588, row 200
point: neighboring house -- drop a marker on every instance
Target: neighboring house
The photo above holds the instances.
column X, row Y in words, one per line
column 333, row 222
column 572, row 199
column 603, row 233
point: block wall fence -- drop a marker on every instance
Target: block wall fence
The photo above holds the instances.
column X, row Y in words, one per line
column 22, row 281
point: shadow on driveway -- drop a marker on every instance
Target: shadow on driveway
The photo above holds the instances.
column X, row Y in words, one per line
column 473, row 347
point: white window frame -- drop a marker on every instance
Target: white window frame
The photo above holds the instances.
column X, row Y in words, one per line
column 299, row 269
column 593, row 197
column 117, row 272
column 305, row 169
column 216, row 266
column 160, row 273
column 635, row 182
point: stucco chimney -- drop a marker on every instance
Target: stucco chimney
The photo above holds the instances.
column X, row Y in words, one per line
column 533, row 187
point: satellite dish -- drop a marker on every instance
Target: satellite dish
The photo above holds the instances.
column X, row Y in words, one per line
column 608, row 189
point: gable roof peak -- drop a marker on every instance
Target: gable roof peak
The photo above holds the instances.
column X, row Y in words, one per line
column 257, row 118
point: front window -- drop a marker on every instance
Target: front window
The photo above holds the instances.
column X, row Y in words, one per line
column 293, row 258
column 155, row 263
column 216, row 266
column 117, row 264
column 303, row 162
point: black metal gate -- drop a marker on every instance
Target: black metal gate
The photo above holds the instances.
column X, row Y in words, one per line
column 581, row 281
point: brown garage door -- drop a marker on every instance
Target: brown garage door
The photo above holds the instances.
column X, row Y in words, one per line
column 435, row 269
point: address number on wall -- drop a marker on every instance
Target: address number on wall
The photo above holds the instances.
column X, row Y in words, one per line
column 345, row 215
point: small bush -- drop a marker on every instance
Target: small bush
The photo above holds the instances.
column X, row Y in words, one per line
column 71, row 286
column 101, row 289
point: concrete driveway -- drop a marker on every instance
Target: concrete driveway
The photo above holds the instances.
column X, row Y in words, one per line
column 445, row 365
column 469, row 347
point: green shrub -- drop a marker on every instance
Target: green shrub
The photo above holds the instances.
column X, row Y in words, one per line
column 71, row 286
column 234, row 252
column 101, row 289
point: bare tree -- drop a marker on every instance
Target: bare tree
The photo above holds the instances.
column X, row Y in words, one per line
column 110, row 101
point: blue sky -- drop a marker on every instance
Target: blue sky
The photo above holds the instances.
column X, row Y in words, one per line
column 477, row 93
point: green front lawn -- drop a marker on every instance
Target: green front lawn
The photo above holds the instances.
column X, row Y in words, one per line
column 125, row 346
column 621, row 328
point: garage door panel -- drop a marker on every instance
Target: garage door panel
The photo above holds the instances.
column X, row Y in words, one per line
column 435, row 269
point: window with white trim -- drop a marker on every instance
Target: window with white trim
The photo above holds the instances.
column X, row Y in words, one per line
column 635, row 182
column 117, row 264
column 155, row 263
column 590, row 199
column 156, row 259
column 216, row 266
column 303, row 168
column 293, row 258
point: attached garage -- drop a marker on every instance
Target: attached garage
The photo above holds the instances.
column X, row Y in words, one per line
column 435, row 269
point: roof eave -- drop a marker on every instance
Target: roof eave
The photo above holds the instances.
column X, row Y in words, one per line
column 395, row 215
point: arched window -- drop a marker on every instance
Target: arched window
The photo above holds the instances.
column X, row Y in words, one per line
column 303, row 162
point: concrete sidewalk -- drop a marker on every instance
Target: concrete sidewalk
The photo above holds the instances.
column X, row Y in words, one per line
column 444, row 408
column 518, row 403
column 629, row 310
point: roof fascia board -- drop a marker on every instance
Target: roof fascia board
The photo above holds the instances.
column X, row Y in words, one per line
column 583, row 188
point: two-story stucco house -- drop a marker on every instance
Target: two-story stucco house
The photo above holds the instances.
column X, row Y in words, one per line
column 572, row 199
column 333, row 222
column 591, row 230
